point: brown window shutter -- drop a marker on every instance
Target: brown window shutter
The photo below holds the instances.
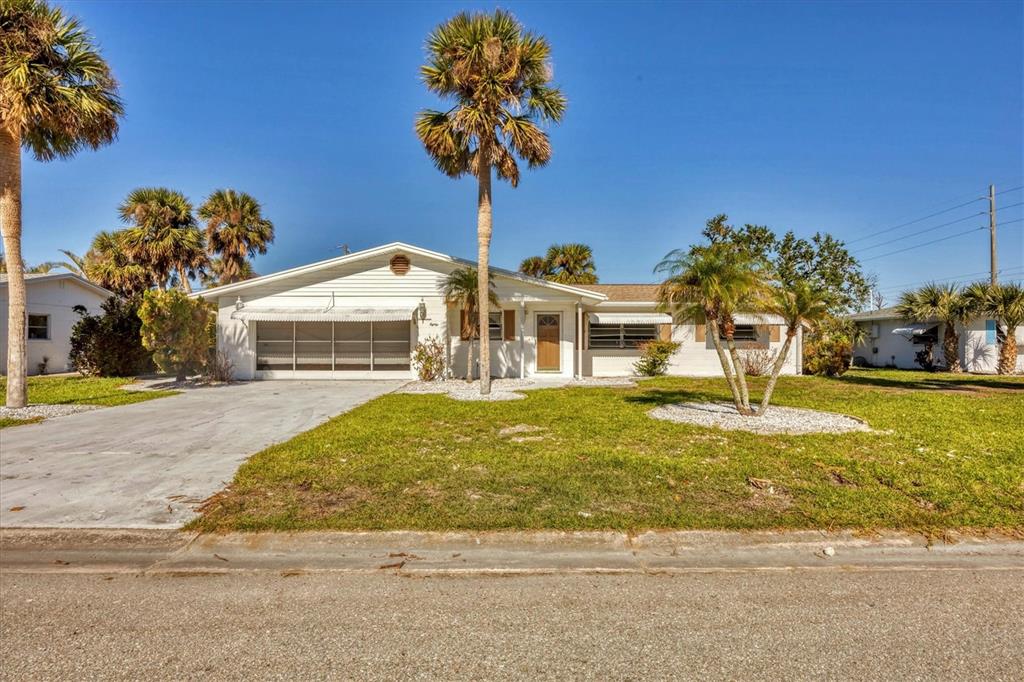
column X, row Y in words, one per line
column 700, row 333
column 665, row 332
column 509, row 323
column 774, row 331
column 465, row 330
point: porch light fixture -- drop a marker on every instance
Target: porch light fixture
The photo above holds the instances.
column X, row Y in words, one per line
column 422, row 309
column 238, row 303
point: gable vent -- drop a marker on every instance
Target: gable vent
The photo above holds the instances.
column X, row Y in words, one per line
column 400, row 264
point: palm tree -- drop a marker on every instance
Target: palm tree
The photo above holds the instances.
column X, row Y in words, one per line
column 216, row 277
column 108, row 264
column 712, row 283
column 74, row 263
column 534, row 266
column 943, row 302
column 571, row 264
column 797, row 304
column 57, row 97
column 497, row 78
column 163, row 235
column 235, row 231
column 462, row 288
column 1005, row 304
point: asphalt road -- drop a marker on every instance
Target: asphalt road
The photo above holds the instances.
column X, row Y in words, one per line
column 946, row 623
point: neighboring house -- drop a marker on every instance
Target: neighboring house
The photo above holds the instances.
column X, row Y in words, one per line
column 892, row 341
column 360, row 316
column 51, row 299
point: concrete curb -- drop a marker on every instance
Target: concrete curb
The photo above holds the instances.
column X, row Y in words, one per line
column 157, row 552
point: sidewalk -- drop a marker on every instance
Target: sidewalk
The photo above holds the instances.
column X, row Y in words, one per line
column 502, row 553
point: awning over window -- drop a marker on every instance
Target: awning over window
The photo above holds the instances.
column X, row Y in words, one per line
column 630, row 318
column 324, row 315
column 916, row 330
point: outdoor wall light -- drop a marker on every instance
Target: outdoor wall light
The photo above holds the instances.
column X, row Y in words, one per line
column 422, row 309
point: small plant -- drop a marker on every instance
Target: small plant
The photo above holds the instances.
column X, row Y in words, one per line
column 925, row 358
column 429, row 359
column 828, row 356
column 757, row 363
column 654, row 357
column 219, row 368
column 42, row 365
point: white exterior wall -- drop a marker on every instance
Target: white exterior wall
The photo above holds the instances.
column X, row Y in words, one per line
column 976, row 353
column 980, row 356
column 56, row 298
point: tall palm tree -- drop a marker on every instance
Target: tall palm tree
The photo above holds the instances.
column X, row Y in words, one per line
column 57, row 97
column 108, row 264
column 1005, row 304
column 163, row 235
column 534, row 266
column 571, row 264
column 462, row 288
column 235, row 231
column 797, row 304
column 712, row 283
column 74, row 263
column 944, row 302
column 497, row 78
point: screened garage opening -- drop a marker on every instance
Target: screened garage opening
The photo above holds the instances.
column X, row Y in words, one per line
column 337, row 347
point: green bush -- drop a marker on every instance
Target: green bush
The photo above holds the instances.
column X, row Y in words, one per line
column 654, row 357
column 179, row 330
column 110, row 344
column 827, row 356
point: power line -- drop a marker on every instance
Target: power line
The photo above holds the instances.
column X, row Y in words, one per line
column 1012, row 189
column 918, row 246
column 967, row 275
column 927, row 229
column 916, row 220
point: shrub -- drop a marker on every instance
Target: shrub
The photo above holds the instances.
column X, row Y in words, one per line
column 828, row 356
column 757, row 362
column 654, row 357
column 179, row 330
column 110, row 344
column 429, row 359
column 219, row 367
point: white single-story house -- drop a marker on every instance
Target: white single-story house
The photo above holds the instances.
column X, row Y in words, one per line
column 51, row 299
column 360, row 316
column 892, row 341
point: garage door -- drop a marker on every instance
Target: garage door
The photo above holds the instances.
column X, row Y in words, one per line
column 333, row 347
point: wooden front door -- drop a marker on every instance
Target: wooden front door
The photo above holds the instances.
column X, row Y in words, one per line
column 548, row 342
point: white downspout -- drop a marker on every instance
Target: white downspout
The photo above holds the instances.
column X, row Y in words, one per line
column 522, row 339
column 579, row 336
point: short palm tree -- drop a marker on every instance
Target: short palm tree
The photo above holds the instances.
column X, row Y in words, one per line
column 712, row 283
column 235, row 232
column 945, row 303
column 57, row 97
column 797, row 304
column 74, row 264
column 534, row 266
column 496, row 77
column 571, row 264
column 1005, row 304
column 163, row 235
column 107, row 264
column 462, row 288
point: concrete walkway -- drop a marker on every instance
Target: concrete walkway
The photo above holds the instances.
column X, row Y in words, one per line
column 148, row 465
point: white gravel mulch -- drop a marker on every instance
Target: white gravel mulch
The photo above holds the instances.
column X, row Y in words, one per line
column 501, row 389
column 787, row 420
column 44, row 411
column 603, row 381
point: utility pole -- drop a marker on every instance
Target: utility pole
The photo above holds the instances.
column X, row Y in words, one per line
column 992, row 229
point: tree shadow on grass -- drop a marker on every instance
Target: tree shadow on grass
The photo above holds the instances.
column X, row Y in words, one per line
column 660, row 396
column 955, row 383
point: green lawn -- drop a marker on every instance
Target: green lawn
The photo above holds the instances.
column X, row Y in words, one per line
column 949, row 453
column 77, row 390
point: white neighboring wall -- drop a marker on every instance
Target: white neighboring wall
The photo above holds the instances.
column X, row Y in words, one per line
column 979, row 352
column 54, row 296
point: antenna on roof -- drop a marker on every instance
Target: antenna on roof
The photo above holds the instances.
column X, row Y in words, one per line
column 344, row 249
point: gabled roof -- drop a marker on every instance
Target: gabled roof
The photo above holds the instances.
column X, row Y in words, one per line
column 625, row 293
column 33, row 277
column 387, row 248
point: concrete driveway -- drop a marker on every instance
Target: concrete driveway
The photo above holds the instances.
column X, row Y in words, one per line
column 148, row 465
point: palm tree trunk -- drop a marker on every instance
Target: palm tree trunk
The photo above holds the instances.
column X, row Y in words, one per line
column 951, row 347
column 483, row 238
column 737, row 365
column 1008, row 353
column 726, row 367
column 766, row 399
column 10, row 223
column 183, row 278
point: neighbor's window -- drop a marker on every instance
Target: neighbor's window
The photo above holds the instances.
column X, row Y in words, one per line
column 743, row 332
column 621, row 335
column 494, row 326
column 38, row 326
column 929, row 337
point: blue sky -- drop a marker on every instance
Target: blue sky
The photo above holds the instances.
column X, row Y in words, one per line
column 842, row 117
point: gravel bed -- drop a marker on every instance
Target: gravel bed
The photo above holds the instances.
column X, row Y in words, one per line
column 460, row 386
column 603, row 381
column 44, row 411
column 787, row 420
